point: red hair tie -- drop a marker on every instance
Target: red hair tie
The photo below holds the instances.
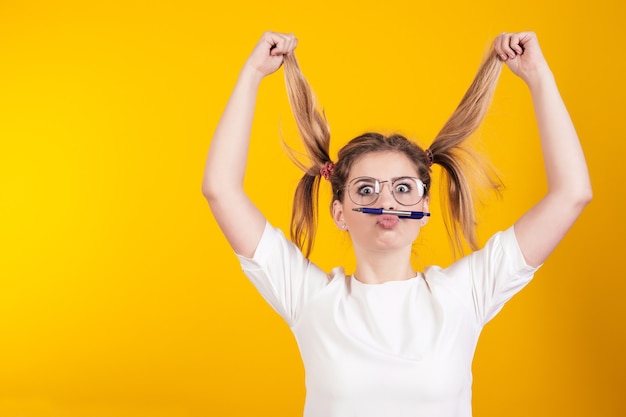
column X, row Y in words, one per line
column 429, row 157
column 327, row 170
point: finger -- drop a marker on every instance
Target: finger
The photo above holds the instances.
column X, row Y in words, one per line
column 515, row 43
column 281, row 44
column 498, row 44
column 527, row 38
column 275, row 42
column 291, row 45
column 506, row 46
column 501, row 47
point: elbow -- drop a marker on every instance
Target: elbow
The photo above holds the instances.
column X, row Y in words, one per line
column 572, row 200
column 582, row 198
column 216, row 191
column 209, row 195
column 209, row 190
column 585, row 195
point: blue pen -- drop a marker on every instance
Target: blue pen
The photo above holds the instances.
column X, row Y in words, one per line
column 403, row 214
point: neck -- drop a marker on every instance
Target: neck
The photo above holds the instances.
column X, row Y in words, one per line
column 379, row 267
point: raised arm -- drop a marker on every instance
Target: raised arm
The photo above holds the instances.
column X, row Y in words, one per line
column 540, row 229
column 241, row 222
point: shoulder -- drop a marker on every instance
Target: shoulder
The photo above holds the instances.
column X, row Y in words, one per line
column 278, row 255
column 486, row 278
column 272, row 247
column 284, row 276
column 503, row 250
column 502, row 247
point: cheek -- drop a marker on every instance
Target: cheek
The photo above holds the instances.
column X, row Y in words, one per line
column 354, row 219
column 415, row 226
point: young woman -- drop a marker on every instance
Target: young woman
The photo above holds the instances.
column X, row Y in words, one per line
column 387, row 340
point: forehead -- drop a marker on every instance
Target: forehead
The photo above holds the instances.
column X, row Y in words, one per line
column 383, row 165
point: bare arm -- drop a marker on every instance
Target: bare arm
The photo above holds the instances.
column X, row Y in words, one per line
column 241, row 222
column 540, row 229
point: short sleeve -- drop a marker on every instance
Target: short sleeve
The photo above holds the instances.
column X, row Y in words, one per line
column 499, row 271
column 491, row 275
column 281, row 273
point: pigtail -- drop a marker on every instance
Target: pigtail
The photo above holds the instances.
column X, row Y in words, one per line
column 315, row 135
column 465, row 170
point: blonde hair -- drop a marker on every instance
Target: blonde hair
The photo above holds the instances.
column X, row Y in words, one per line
column 448, row 150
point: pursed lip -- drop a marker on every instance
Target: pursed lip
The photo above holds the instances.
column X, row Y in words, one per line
column 387, row 220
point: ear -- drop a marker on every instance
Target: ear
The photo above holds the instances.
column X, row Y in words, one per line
column 338, row 217
column 425, row 209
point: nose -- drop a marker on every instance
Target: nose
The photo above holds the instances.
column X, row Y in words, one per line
column 387, row 200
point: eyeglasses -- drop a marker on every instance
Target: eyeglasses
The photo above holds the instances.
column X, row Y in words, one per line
column 364, row 191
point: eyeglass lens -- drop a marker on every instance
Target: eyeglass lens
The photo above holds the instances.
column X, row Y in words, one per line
column 407, row 191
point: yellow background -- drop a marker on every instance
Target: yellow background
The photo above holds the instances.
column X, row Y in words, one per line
column 120, row 297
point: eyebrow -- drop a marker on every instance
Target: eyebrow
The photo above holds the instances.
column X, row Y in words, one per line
column 379, row 180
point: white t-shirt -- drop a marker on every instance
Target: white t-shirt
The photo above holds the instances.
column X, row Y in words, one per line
column 401, row 348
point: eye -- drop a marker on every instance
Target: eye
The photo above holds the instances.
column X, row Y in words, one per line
column 404, row 186
column 364, row 186
column 365, row 189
